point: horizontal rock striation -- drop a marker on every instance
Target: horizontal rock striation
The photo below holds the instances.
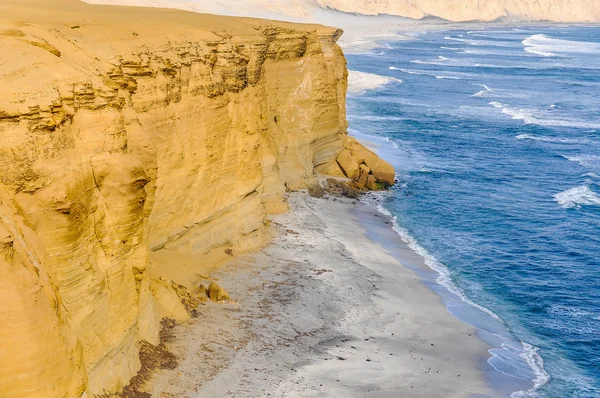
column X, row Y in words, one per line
column 132, row 131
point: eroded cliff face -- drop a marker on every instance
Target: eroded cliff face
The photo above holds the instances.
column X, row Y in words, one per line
column 127, row 132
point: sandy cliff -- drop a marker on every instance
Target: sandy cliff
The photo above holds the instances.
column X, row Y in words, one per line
column 132, row 134
column 452, row 10
column 474, row 10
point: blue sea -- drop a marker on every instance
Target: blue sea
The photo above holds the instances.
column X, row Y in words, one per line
column 495, row 136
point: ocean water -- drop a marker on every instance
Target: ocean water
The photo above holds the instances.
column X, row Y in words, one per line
column 495, row 136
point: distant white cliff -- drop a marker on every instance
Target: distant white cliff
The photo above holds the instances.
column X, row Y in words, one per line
column 452, row 10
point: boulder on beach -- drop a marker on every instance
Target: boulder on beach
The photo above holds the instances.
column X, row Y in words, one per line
column 217, row 293
column 348, row 164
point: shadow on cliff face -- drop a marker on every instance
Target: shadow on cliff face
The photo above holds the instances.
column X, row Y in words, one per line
column 152, row 357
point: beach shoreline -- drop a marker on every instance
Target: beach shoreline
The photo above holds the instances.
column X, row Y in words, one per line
column 324, row 310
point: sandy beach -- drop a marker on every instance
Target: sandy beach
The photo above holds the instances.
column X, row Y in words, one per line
column 324, row 311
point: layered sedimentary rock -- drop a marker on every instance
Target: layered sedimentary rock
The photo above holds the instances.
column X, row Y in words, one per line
column 127, row 132
column 452, row 10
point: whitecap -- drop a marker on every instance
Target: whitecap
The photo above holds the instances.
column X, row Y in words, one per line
column 486, row 90
column 470, row 42
column 588, row 161
column 534, row 116
column 436, row 61
column 393, row 143
column 489, row 92
column 436, row 74
column 361, row 82
column 576, row 197
column 479, row 43
column 546, row 46
column 376, row 118
column 572, row 312
column 591, row 175
column 562, row 140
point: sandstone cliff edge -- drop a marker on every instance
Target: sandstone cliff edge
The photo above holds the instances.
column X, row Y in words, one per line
column 133, row 136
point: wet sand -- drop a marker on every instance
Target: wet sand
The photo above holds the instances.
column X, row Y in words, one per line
column 324, row 311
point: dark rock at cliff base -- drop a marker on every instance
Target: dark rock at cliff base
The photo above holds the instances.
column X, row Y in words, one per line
column 217, row 293
column 379, row 168
column 348, row 189
column 315, row 189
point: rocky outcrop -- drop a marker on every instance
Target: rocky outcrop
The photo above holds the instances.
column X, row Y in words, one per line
column 130, row 132
column 364, row 167
column 217, row 293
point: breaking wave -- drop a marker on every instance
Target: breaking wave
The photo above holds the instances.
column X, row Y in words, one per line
column 560, row 140
column 546, row 46
column 527, row 352
column 361, row 82
column 532, row 116
column 576, row 197
column 587, row 161
column 436, row 74
column 489, row 92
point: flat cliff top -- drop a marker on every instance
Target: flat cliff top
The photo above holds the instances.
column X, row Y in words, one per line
column 151, row 21
column 49, row 43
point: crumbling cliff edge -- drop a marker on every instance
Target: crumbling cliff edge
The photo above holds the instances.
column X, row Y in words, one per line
column 131, row 134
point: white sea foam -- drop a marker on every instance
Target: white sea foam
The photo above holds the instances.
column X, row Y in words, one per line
column 361, row 82
column 433, row 73
column 532, row 357
column 440, row 59
column 546, row 46
column 591, row 175
column 561, row 140
column 489, row 92
column 576, row 197
column 472, row 63
column 485, row 92
column 480, row 52
column 588, row 161
column 479, row 43
column 470, row 42
column 528, row 353
column 425, row 62
column 533, row 116
column 393, row 143
column 572, row 312
column 376, row 118
column 444, row 278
